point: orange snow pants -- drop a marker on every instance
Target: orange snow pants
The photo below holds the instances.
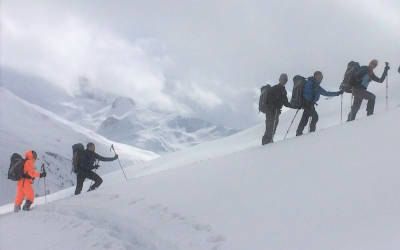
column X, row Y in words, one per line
column 24, row 191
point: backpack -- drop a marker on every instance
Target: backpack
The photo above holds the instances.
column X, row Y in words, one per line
column 77, row 152
column 297, row 98
column 350, row 77
column 262, row 103
column 16, row 170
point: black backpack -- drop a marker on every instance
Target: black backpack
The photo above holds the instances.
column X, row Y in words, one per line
column 350, row 77
column 16, row 170
column 77, row 152
column 262, row 103
column 297, row 93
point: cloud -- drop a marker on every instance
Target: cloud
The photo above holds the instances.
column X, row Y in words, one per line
column 195, row 94
column 66, row 50
column 204, row 57
column 386, row 13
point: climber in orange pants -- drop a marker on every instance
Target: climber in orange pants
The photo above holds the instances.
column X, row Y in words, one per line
column 24, row 185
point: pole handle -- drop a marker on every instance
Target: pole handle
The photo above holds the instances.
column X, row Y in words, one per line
column 113, row 149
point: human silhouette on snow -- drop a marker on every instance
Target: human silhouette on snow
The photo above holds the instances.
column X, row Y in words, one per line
column 86, row 165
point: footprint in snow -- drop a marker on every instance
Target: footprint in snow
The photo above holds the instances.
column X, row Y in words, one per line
column 88, row 231
column 214, row 239
column 135, row 201
column 202, row 227
column 155, row 207
column 114, row 197
column 178, row 216
column 108, row 245
column 217, row 239
column 216, row 247
column 75, row 224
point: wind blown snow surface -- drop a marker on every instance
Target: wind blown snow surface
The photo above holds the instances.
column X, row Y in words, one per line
column 334, row 189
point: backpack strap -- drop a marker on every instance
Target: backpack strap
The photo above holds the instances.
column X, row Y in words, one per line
column 25, row 175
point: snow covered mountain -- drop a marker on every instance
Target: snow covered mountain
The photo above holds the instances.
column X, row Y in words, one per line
column 115, row 117
column 154, row 130
column 25, row 126
column 318, row 191
column 121, row 119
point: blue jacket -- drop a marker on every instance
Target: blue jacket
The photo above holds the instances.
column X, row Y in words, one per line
column 313, row 90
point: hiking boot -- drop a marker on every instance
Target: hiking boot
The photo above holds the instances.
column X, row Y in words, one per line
column 299, row 134
column 17, row 208
column 27, row 205
column 266, row 141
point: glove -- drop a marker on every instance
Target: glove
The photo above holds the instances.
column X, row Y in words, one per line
column 341, row 92
column 43, row 174
column 116, row 157
column 387, row 67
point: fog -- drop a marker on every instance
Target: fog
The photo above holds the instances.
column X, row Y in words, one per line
column 205, row 58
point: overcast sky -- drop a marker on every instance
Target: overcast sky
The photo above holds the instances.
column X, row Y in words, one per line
column 207, row 58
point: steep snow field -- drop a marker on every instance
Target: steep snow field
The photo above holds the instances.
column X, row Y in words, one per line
column 334, row 189
column 25, row 126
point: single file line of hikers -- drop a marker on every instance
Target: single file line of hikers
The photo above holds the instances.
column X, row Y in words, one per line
column 306, row 94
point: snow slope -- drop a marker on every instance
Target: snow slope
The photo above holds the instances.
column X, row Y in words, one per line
column 329, row 116
column 334, row 189
column 25, row 126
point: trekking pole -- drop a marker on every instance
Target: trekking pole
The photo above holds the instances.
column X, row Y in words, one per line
column 44, row 182
column 387, row 92
column 351, row 100
column 113, row 149
column 341, row 109
column 291, row 124
column 274, row 126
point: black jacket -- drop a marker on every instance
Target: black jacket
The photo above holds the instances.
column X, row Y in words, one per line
column 364, row 71
column 88, row 159
column 277, row 97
